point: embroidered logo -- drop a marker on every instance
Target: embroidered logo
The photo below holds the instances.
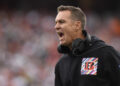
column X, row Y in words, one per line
column 89, row 66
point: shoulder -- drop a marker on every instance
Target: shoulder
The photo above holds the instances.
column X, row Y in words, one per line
column 64, row 58
column 112, row 54
column 112, row 51
column 107, row 49
column 63, row 61
column 108, row 53
column 63, row 64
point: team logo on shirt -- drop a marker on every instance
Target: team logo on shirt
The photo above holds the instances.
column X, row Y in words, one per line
column 89, row 66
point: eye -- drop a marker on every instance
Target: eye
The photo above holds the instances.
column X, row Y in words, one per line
column 61, row 21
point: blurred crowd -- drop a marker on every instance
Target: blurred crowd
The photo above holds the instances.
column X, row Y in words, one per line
column 27, row 49
column 28, row 45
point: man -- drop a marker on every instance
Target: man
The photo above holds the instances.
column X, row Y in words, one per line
column 86, row 60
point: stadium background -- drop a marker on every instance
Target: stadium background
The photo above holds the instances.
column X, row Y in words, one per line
column 28, row 40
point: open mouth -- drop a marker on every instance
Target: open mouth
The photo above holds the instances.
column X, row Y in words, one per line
column 60, row 34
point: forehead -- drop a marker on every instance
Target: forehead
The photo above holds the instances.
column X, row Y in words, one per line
column 63, row 15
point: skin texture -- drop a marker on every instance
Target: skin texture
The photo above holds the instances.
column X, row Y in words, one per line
column 67, row 28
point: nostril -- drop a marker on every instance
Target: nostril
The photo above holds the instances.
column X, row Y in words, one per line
column 57, row 27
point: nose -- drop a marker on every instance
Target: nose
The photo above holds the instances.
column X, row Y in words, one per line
column 57, row 26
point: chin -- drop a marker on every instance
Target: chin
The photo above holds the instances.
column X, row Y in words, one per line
column 63, row 43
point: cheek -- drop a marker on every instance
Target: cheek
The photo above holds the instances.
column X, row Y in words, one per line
column 69, row 31
column 69, row 36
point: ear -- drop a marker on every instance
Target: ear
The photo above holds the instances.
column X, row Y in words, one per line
column 78, row 25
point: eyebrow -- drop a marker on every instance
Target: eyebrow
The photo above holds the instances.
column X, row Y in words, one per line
column 59, row 20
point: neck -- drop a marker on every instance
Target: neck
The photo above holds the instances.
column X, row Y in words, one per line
column 82, row 37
